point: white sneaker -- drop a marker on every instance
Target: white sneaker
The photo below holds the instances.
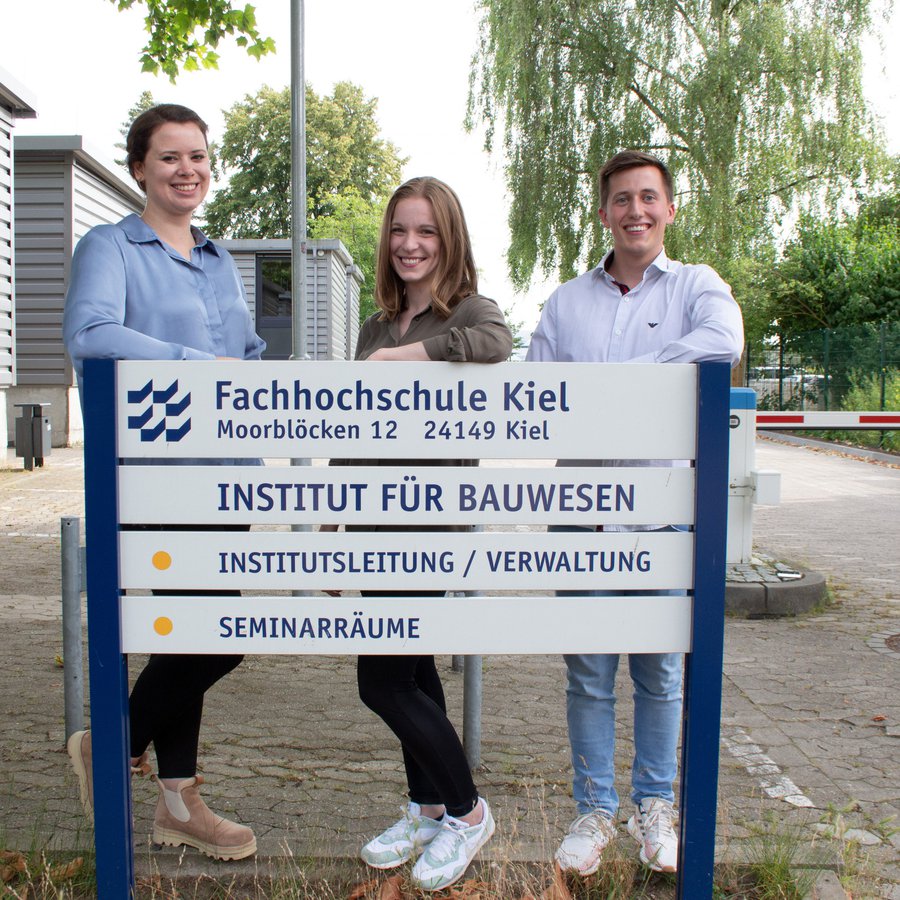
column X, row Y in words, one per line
column 653, row 827
column 581, row 848
column 402, row 841
column 447, row 857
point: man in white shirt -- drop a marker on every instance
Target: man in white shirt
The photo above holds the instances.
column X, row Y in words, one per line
column 637, row 306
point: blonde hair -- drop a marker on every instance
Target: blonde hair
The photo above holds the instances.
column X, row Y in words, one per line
column 455, row 277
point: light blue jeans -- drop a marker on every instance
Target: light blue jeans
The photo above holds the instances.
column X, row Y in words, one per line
column 591, row 713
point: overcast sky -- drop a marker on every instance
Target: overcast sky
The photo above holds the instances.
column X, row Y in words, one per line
column 79, row 60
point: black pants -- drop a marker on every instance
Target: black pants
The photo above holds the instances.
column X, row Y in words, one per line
column 166, row 706
column 406, row 692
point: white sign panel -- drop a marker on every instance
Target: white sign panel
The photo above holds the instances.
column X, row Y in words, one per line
column 187, row 560
column 404, row 495
column 478, row 625
column 383, row 410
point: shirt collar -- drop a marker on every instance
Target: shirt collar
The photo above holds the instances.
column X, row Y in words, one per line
column 139, row 232
column 661, row 264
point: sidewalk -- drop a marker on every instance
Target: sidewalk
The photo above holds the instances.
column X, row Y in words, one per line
column 810, row 724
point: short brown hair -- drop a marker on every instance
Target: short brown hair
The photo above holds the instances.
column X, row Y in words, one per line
column 142, row 128
column 455, row 276
column 632, row 159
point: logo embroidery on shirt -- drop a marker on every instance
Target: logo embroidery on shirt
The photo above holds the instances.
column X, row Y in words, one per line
column 151, row 429
column 653, row 324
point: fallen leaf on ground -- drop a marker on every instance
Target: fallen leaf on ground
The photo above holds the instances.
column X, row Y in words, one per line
column 391, row 889
column 471, row 889
column 878, row 718
column 360, row 891
column 558, row 890
column 69, row 870
column 11, row 864
column 58, row 662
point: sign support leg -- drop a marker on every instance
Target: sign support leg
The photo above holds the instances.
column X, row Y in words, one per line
column 703, row 665
column 113, row 830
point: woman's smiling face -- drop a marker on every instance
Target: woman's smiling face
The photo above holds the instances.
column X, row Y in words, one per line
column 415, row 242
column 175, row 171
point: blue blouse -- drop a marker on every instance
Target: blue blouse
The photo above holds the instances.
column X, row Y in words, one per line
column 131, row 296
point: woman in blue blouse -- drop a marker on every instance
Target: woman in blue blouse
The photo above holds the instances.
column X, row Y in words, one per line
column 154, row 287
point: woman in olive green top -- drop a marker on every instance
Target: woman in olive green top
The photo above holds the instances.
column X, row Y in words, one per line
column 426, row 287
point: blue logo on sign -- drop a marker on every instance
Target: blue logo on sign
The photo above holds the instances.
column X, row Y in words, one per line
column 152, row 422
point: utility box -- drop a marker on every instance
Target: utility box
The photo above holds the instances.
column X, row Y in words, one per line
column 33, row 433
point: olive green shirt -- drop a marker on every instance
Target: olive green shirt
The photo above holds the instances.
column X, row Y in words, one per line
column 475, row 331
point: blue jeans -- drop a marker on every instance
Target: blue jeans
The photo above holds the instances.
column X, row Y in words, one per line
column 591, row 714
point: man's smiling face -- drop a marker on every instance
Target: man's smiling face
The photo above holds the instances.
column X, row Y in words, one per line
column 637, row 212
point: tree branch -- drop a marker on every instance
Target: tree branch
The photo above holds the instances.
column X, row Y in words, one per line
column 744, row 197
column 660, row 115
column 691, row 25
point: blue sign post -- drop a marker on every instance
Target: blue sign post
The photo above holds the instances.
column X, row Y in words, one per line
column 703, row 665
column 289, row 410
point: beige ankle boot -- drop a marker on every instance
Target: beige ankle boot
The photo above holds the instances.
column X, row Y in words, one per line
column 81, row 753
column 183, row 818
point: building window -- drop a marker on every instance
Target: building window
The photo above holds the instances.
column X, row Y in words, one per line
column 273, row 304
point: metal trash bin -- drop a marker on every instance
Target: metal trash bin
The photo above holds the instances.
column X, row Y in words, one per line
column 33, row 433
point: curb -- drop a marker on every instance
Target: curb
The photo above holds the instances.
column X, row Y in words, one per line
column 775, row 599
column 188, row 869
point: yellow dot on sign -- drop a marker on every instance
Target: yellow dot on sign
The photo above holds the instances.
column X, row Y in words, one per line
column 161, row 560
column 163, row 626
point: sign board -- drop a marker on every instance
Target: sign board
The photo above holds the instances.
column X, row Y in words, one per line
column 173, row 466
column 401, row 410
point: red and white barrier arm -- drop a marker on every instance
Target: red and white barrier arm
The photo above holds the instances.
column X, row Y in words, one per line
column 795, row 421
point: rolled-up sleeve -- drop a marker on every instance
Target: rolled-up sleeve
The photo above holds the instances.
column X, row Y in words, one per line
column 477, row 332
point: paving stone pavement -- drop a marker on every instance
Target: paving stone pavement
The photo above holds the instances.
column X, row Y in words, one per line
column 810, row 724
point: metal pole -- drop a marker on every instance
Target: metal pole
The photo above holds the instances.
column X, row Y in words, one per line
column 298, row 204
column 298, row 183
column 472, row 693
column 73, row 661
column 781, row 370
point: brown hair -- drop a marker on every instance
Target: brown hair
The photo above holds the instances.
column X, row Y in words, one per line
column 631, row 159
column 142, row 128
column 455, row 277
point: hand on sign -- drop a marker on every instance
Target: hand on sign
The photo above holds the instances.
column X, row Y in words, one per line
column 407, row 353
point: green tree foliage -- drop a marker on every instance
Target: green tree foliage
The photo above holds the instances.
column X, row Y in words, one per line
column 350, row 171
column 834, row 297
column 185, row 33
column 356, row 222
column 756, row 106
column 839, row 275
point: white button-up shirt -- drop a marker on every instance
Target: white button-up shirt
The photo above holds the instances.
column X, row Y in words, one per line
column 678, row 313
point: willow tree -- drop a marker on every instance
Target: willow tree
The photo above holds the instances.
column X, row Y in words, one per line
column 756, row 105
